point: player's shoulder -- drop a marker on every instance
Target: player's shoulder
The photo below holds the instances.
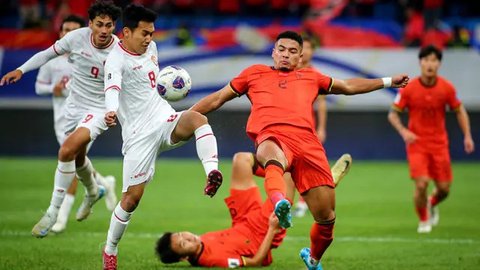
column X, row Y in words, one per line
column 445, row 82
column 117, row 54
column 80, row 32
column 259, row 68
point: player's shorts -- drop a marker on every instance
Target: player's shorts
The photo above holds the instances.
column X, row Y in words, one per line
column 434, row 165
column 305, row 154
column 141, row 150
column 62, row 129
column 250, row 214
column 92, row 119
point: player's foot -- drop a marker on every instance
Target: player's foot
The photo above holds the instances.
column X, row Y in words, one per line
column 282, row 211
column 110, row 196
column 42, row 228
column 214, row 181
column 309, row 262
column 300, row 209
column 109, row 261
column 89, row 200
column 434, row 215
column 424, row 227
column 59, row 226
column 341, row 168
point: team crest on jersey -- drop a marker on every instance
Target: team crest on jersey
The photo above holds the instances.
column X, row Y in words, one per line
column 233, row 263
column 154, row 60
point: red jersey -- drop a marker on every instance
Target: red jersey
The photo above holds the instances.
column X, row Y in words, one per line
column 426, row 110
column 280, row 97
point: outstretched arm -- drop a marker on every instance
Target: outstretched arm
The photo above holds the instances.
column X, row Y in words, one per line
column 464, row 123
column 215, row 100
column 361, row 85
column 264, row 248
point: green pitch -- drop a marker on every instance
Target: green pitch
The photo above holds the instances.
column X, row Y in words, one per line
column 375, row 228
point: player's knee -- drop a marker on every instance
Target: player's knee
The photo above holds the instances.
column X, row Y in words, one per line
column 324, row 216
column 197, row 118
column 130, row 202
column 66, row 153
column 443, row 192
column 243, row 159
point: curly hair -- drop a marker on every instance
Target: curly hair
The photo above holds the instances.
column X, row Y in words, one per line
column 100, row 8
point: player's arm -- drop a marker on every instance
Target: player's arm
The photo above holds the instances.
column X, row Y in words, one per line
column 113, row 82
column 396, row 122
column 214, row 100
column 322, row 118
column 33, row 63
column 361, row 85
column 43, row 83
column 264, row 248
column 464, row 123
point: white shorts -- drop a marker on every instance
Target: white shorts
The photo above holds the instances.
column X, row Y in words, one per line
column 142, row 150
column 77, row 117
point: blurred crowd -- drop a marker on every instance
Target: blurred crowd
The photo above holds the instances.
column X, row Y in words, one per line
column 421, row 20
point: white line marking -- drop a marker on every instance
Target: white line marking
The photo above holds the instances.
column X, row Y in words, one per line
column 359, row 239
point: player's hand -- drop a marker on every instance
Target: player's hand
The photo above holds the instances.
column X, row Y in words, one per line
column 400, row 81
column 408, row 136
column 11, row 77
column 273, row 223
column 111, row 119
column 58, row 89
column 468, row 144
column 322, row 135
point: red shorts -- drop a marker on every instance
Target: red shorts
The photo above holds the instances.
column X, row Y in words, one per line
column 250, row 215
column 434, row 165
column 305, row 155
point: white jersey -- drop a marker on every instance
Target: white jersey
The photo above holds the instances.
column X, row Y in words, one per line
column 140, row 107
column 87, row 81
column 54, row 71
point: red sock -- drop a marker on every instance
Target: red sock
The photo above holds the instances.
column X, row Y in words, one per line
column 274, row 184
column 434, row 200
column 321, row 236
column 422, row 213
column 258, row 170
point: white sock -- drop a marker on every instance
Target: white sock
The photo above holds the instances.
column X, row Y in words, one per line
column 85, row 175
column 65, row 208
column 63, row 178
column 118, row 225
column 207, row 148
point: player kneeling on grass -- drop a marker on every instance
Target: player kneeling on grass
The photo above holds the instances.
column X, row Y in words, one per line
column 149, row 124
column 255, row 229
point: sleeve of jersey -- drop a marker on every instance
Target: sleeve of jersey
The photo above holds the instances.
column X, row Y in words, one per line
column 113, row 82
column 400, row 101
column 38, row 60
column 453, row 102
column 325, row 84
column 239, row 84
column 44, row 84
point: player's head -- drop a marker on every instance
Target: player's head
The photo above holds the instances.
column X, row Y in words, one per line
column 307, row 50
column 71, row 23
column 101, row 19
column 430, row 59
column 174, row 247
column 287, row 51
column 138, row 27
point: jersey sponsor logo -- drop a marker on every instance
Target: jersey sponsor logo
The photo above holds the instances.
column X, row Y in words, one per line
column 109, row 76
column 233, row 263
column 85, row 54
column 137, row 67
column 282, row 84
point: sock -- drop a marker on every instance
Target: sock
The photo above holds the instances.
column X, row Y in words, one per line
column 65, row 208
column 63, row 178
column 85, row 175
column 118, row 225
column 274, row 184
column 321, row 236
column 207, row 148
column 433, row 200
column 257, row 169
column 422, row 213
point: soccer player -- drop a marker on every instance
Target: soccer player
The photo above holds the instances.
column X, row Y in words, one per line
column 426, row 139
column 281, row 125
column 51, row 80
column 149, row 124
column 308, row 50
column 85, row 106
column 254, row 230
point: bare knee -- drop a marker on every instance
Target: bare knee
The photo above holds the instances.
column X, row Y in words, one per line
column 67, row 153
column 242, row 160
column 324, row 216
column 129, row 202
column 196, row 118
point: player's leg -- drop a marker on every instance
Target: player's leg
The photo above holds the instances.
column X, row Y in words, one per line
column 271, row 156
column 321, row 202
column 109, row 183
column 420, row 201
column 65, row 208
column 442, row 173
column 242, row 175
column 193, row 123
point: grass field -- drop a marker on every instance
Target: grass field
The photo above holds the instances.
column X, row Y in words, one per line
column 375, row 228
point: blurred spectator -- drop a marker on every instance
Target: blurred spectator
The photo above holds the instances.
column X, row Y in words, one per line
column 461, row 37
column 30, row 13
column 432, row 10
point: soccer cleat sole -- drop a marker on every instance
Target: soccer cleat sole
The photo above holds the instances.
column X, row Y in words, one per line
column 282, row 211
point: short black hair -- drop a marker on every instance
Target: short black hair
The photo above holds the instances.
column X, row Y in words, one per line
column 291, row 35
column 74, row 19
column 133, row 14
column 164, row 249
column 313, row 41
column 100, row 8
column 427, row 50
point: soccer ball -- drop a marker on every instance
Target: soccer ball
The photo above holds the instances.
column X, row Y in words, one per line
column 173, row 83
